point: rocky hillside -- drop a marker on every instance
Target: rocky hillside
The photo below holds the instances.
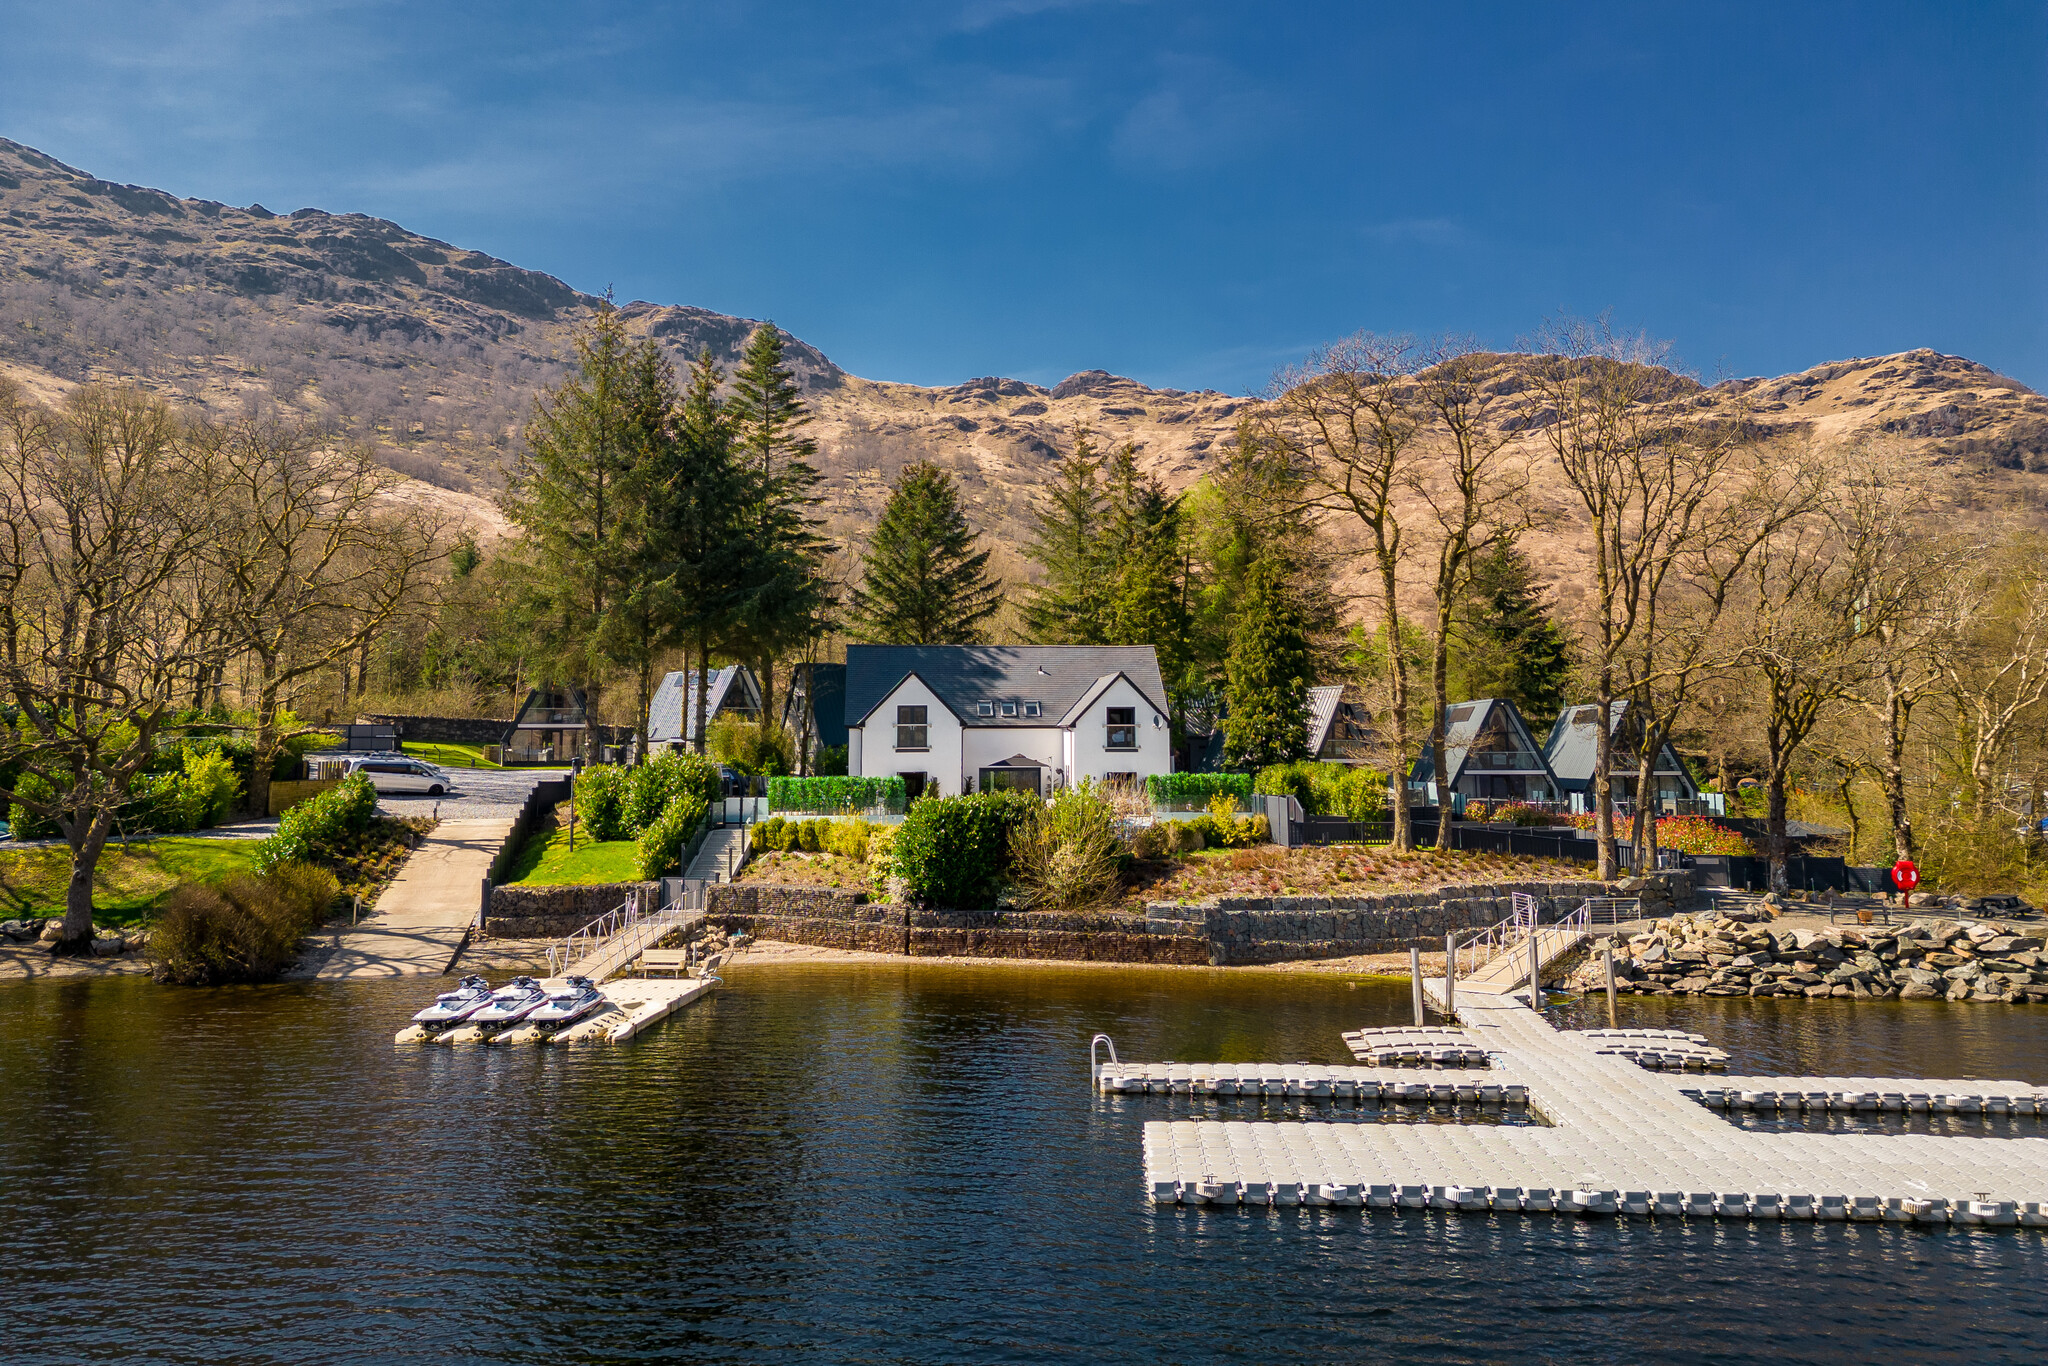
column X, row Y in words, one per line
column 433, row 352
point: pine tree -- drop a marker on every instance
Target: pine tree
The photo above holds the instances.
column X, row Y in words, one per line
column 923, row 581
column 1069, row 608
column 1268, row 675
column 572, row 492
column 768, row 418
column 701, row 526
column 1508, row 645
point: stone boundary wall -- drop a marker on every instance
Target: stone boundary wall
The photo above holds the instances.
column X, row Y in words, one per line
column 1225, row 930
column 555, row 912
column 445, row 730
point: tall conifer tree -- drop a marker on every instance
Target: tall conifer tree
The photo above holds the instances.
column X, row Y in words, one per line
column 1268, row 671
column 768, row 418
column 1508, row 645
column 1070, row 607
column 923, row 580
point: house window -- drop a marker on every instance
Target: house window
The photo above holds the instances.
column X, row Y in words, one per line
column 1123, row 727
column 1031, row 709
column 1009, row 708
column 1120, row 779
column 985, row 709
column 912, row 731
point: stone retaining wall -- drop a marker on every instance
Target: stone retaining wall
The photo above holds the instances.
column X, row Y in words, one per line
column 554, row 912
column 1219, row 931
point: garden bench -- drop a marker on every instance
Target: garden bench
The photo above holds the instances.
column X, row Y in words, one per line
column 675, row 960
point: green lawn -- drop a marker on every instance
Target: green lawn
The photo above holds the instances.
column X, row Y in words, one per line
column 131, row 882
column 451, row 756
column 545, row 861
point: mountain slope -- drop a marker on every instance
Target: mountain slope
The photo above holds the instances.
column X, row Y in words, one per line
column 433, row 353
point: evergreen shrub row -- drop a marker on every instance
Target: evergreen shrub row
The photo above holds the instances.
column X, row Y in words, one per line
column 835, row 794
column 614, row 803
column 848, row 839
column 668, row 834
column 1357, row 794
column 1166, row 789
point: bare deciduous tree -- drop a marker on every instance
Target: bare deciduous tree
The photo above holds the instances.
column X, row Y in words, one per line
column 102, row 513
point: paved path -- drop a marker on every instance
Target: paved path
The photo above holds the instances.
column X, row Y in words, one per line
column 423, row 919
column 719, row 850
column 1622, row 1136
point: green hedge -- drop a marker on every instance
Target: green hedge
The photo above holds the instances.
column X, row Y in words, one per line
column 601, row 803
column 835, row 794
column 654, row 785
column 1197, row 788
column 848, row 839
column 663, row 841
column 1357, row 794
column 319, row 823
column 955, row 851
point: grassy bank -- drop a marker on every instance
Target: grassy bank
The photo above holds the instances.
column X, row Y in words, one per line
column 450, row 756
column 545, row 861
column 132, row 881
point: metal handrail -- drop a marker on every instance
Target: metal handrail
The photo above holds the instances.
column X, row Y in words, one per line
column 619, row 917
column 1512, row 933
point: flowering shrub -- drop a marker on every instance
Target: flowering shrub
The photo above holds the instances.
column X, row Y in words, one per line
column 1699, row 835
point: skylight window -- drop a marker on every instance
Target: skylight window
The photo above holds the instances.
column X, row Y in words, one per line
column 1031, row 709
column 1009, row 708
column 986, row 709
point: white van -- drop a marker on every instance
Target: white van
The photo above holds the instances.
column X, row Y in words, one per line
column 396, row 773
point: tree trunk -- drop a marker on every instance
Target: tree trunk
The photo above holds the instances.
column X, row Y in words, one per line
column 1646, row 814
column 1439, row 680
column 268, row 742
column 1774, row 827
column 703, row 684
column 765, row 665
column 1893, row 775
column 646, row 700
column 1603, row 776
column 87, row 843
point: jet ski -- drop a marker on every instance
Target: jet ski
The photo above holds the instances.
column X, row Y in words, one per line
column 452, row 1007
column 578, row 998
column 510, row 1003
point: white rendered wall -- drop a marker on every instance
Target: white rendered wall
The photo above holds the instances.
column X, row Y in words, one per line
column 879, row 757
column 1091, row 756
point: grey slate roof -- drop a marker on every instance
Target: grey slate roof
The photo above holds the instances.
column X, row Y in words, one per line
column 674, row 708
column 1054, row 676
column 1573, row 748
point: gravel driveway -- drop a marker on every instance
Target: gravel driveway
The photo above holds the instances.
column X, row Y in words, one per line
column 480, row 794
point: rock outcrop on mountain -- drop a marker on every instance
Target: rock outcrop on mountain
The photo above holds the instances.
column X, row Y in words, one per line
column 433, row 353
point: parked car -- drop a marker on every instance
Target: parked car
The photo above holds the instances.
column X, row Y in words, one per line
column 397, row 773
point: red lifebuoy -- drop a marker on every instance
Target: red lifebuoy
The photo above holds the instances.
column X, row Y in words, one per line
column 1905, row 876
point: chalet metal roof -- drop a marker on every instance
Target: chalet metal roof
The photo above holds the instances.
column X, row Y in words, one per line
column 1057, row 677
column 1463, row 726
column 672, row 715
column 1322, row 714
column 1573, row 747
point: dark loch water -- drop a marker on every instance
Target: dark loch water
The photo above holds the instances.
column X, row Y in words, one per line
column 871, row 1164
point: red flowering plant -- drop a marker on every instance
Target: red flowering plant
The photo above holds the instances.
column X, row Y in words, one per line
column 1698, row 835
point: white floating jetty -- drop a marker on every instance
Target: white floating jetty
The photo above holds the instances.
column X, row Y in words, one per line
column 1618, row 1140
column 1913, row 1095
column 631, row 1005
column 1302, row 1080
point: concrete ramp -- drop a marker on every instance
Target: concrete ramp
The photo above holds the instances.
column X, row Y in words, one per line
column 423, row 919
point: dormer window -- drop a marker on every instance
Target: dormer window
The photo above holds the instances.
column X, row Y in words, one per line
column 1009, row 708
column 985, row 709
column 1032, row 709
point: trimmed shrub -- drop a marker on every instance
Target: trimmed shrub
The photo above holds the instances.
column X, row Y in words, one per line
column 319, row 823
column 1066, row 856
column 601, row 802
column 835, row 794
column 955, row 851
column 1220, row 832
column 211, row 786
column 1327, row 789
column 1192, row 791
column 26, row 824
column 663, row 841
column 247, row 929
column 807, row 835
column 652, row 786
column 772, row 835
column 1698, row 835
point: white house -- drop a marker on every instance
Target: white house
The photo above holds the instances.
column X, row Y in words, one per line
column 969, row 718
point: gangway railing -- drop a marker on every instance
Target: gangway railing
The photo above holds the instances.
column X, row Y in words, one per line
column 1512, row 936
column 608, row 943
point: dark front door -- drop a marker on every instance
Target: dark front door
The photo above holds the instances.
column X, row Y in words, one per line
column 913, row 785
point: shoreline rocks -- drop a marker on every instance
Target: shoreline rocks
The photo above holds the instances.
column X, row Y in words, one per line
column 1740, row 953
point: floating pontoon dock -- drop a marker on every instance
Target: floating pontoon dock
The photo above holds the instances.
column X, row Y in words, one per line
column 1615, row 1139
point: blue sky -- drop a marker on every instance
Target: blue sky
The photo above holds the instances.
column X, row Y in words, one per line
column 1191, row 194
